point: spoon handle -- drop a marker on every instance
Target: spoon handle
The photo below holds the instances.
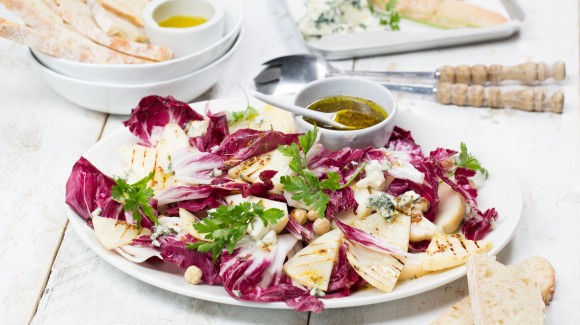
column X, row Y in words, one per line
column 527, row 73
column 321, row 117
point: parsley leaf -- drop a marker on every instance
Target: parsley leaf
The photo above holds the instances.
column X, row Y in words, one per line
column 247, row 114
column 227, row 225
column 306, row 186
column 467, row 160
column 135, row 198
column 389, row 16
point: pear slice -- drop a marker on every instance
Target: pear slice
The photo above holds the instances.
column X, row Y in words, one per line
column 413, row 267
column 381, row 270
column 451, row 209
column 447, row 251
column 361, row 196
column 249, row 170
column 421, row 229
column 142, row 161
column 115, row 233
column 187, row 220
column 312, row 266
column 395, row 232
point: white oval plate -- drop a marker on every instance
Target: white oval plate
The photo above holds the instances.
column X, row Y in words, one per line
column 501, row 190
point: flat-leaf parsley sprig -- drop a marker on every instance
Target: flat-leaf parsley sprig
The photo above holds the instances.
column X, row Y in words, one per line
column 227, row 225
column 135, row 198
column 306, row 186
column 467, row 160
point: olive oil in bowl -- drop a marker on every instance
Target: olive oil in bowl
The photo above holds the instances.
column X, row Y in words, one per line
column 182, row 21
column 354, row 112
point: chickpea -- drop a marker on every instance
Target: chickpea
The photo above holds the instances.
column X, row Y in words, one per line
column 300, row 215
column 312, row 215
column 321, row 226
column 193, row 274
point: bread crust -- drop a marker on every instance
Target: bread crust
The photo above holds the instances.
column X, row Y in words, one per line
column 536, row 269
column 78, row 14
column 45, row 26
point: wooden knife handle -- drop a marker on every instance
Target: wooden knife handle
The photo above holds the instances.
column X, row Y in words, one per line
column 525, row 99
column 528, row 73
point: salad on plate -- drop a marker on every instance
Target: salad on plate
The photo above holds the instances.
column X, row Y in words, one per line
column 240, row 200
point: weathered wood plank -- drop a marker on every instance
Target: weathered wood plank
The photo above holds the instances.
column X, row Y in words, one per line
column 41, row 136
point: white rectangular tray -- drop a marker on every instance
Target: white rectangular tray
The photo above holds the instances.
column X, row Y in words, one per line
column 412, row 36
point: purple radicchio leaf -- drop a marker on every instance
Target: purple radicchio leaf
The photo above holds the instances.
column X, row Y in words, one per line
column 217, row 131
column 88, row 189
column 153, row 113
column 247, row 143
column 254, row 274
column 194, row 167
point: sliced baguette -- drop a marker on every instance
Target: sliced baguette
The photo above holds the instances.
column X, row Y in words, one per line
column 114, row 25
column 78, row 14
column 129, row 9
column 499, row 294
column 46, row 25
column 536, row 269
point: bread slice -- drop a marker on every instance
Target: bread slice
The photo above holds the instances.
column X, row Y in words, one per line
column 129, row 9
column 114, row 25
column 536, row 269
column 61, row 39
column 78, row 14
column 499, row 294
column 540, row 272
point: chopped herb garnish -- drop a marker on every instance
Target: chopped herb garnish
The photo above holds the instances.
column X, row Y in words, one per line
column 135, row 198
column 467, row 160
column 247, row 114
column 227, row 225
column 306, row 186
column 388, row 17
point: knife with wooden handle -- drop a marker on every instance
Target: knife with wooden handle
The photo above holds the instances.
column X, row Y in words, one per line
column 525, row 99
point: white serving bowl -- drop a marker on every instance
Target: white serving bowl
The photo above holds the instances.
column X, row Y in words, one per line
column 376, row 135
column 120, row 98
column 153, row 72
column 184, row 41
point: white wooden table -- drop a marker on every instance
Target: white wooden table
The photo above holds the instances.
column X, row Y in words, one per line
column 48, row 276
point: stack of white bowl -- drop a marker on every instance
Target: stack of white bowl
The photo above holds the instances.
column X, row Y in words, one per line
column 117, row 88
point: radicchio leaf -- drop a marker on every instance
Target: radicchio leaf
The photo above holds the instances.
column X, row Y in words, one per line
column 217, row 130
column 343, row 276
column 344, row 161
column 401, row 140
column 153, row 113
column 341, row 200
column 194, row 167
column 173, row 250
column 254, row 274
column 88, row 189
column 479, row 223
column 367, row 240
column 247, row 143
column 303, row 233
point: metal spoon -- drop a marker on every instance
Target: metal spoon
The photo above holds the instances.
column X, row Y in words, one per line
column 287, row 74
column 324, row 118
